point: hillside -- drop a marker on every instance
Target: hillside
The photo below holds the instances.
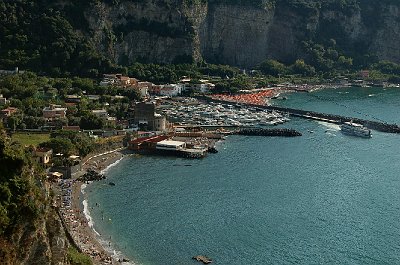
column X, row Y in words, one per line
column 30, row 231
column 87, row 37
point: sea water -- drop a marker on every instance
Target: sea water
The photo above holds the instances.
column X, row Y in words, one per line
column 323, row 198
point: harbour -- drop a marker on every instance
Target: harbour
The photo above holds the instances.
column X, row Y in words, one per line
column 261, row 200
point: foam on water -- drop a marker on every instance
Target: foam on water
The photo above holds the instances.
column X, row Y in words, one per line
column 104, row 171
column 329, row 126
column 107, row 245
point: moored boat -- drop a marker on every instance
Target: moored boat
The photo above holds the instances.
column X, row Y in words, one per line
column 355, row 129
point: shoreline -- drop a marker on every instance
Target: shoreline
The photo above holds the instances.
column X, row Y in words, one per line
column 76, row 212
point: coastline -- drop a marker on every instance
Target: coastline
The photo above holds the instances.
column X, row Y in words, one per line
column 86, row 237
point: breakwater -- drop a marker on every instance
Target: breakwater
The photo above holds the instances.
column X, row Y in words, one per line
column 313, row 115
column 269, row 132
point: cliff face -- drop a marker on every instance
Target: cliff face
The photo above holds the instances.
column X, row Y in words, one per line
column 172, row 31
column 148, row 31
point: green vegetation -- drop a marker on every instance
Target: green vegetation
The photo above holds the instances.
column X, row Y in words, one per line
column 69, row 143
column 172, row 73
column 37, row 35
column 20, row 179
column 30, row 93
column 27, row 139
column 76, row 258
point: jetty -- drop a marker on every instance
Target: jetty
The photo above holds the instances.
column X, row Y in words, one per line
column 319, row 116
column 282, row 132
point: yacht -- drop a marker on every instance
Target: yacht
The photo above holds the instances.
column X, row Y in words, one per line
column 355, row 129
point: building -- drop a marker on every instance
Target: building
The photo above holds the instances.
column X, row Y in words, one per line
column 72, row 99
column 160, row 122
column 43, row 156
column 144, row 88
column 71, row 128
column 119, row 80
column 101, row 113
column 93, row 97
column 169, row 145
column 144, row 113
column 203, row 87
column 5, row 113
column 54, row 112
column 146, row 117
column 163, row 145
column 11, row 72
column 171, row 90
column 3, row 100
column 148, row 143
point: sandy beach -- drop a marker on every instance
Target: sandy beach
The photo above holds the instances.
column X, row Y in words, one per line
column 70, row 203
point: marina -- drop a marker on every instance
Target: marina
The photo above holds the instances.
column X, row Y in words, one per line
column 197, row 112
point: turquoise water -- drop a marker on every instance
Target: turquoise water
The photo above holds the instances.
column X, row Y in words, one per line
column 323, row 198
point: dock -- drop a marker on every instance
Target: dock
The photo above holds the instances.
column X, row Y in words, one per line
column 319, row 116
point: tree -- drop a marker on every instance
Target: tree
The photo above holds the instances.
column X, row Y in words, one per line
column 91, row 122
column 301, row 68
column 274, row 68
column 60, row 145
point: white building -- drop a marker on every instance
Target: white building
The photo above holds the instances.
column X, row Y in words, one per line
column 202, row 87
column 170, row 145
column 160, row 122
column 144, row 91
column 171, row 90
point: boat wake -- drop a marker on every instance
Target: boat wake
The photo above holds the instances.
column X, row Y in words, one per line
column 329, row 126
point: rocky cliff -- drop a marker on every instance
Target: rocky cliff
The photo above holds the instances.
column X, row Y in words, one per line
column 243, row 35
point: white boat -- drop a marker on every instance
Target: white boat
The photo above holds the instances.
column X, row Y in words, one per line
column 355, row 129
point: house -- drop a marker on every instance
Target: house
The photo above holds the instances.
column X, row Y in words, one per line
column 54, row 112
column 108, row 80
column 123, row 80
column 3, row 100
column 171, row 90
column 203, row 86
column 71, row 128
column 93, row 97
column 5, row 113
column 101, row 113
column 134, row 82
column 43, row 156
column 72, row 99
column 144, row 88
column 12, row 72
column 118, row 80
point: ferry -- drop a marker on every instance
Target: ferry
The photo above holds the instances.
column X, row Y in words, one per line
column 355, row 129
